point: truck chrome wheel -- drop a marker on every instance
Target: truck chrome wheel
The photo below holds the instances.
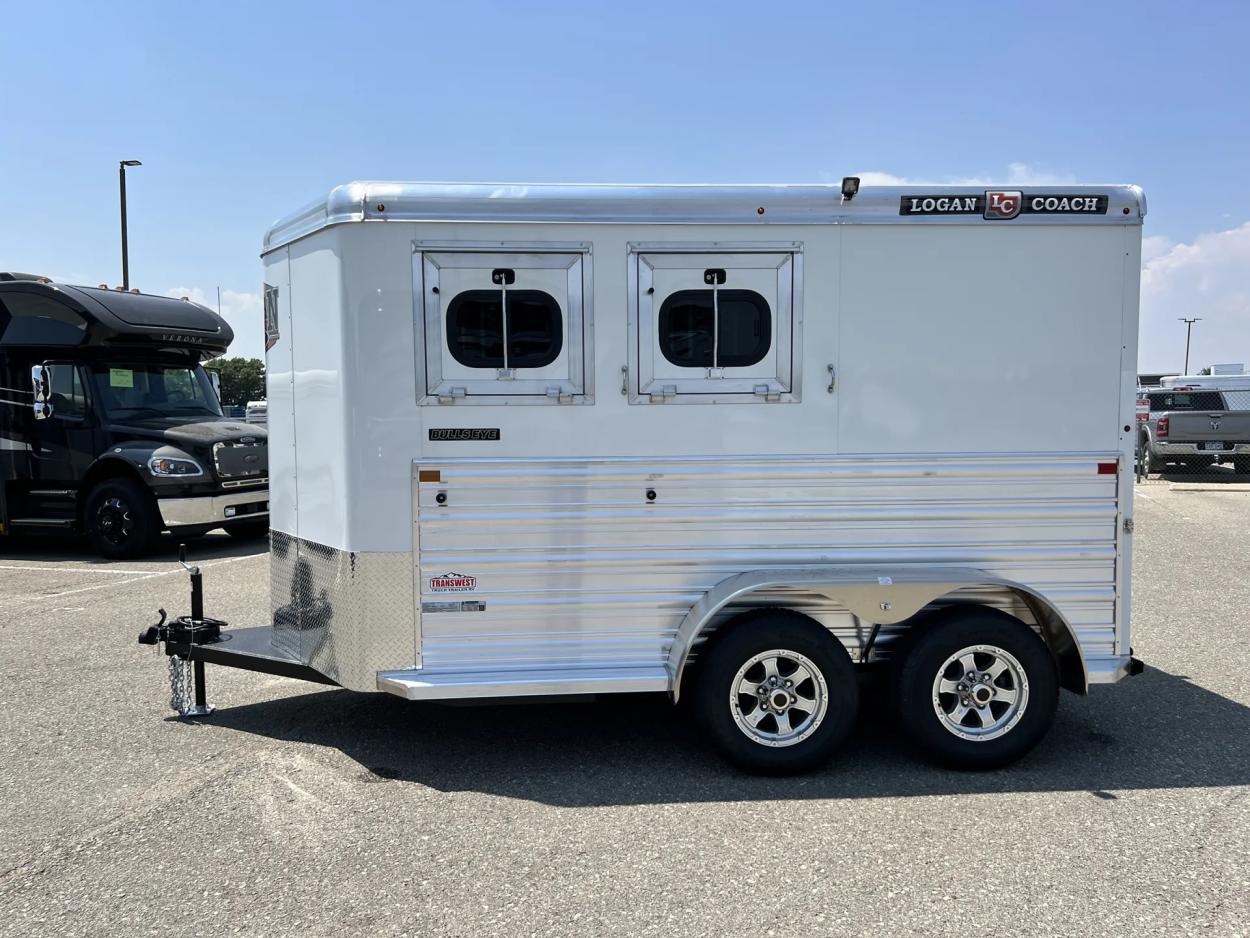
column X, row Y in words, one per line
column 778, row 698
column 980, row 693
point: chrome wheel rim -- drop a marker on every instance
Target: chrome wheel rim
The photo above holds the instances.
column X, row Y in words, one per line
column 980, row 693
column 778, row 698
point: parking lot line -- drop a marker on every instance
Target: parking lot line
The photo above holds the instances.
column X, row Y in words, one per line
column 137, row 576
column 43, row 569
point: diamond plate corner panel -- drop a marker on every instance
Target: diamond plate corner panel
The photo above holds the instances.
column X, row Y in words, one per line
column 348, row 614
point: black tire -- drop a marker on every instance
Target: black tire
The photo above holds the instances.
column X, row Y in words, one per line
column 120, row 518
column 1013, row 733
column 248, row 530
column 757, row 633
column 1151, row 464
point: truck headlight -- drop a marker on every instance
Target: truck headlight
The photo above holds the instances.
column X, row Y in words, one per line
column 174, row 466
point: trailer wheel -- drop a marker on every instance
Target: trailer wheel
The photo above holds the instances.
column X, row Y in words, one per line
column 977, row 689
column 776, row 693
column 120, row 519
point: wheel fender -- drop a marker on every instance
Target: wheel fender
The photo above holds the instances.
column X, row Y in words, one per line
column 878, row 596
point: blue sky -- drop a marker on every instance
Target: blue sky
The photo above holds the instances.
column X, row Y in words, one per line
column 243, row 112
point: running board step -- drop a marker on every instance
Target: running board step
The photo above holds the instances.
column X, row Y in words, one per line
column 449, row 685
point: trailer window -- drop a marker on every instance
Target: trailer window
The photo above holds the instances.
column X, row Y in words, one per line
column 691, row 336
column 477, row 333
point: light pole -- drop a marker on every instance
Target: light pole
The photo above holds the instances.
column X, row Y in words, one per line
column 121, row 172
column 1189, row 329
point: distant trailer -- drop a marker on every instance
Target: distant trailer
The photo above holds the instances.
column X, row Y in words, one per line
column 735, row 443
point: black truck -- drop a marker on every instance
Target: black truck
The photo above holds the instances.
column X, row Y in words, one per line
column 109, row 425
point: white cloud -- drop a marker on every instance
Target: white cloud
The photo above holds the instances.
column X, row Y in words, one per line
column 1209, row 278
column 243, row 311
column 1017, row 174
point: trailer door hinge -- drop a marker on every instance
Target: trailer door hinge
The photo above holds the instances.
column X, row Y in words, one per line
column 664, row 393
column 451, row 395
column 564, row 397
column 1128, row 525
column 764, row 391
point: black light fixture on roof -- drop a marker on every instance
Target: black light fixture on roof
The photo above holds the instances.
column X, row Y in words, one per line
column 850, row 186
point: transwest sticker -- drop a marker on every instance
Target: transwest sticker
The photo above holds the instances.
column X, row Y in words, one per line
column 453, row 583
column 456, row 434
column 1003, row 204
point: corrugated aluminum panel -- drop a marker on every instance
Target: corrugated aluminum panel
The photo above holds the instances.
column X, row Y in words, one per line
column 571, row 564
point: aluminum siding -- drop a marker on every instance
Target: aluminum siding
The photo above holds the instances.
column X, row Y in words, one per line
column 575, row 567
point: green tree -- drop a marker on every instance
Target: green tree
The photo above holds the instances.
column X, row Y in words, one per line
column 242, row 379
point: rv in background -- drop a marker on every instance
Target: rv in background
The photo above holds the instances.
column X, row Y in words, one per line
column 110, row 427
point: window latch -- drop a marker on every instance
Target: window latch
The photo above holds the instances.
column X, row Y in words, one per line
column 769, row 394
column 663, row 394
column 559, row 394
column 505, row 374
column 451, row 395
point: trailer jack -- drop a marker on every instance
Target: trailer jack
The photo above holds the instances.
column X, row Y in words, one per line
column 186, row 672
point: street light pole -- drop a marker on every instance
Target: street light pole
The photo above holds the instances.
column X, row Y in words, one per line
column 121, row 173
column 1189, row 329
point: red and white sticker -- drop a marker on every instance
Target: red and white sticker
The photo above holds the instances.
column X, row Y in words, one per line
column 453, row 583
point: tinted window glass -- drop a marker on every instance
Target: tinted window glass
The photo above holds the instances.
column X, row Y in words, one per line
column 31, row 319
column 1187, row 400
column 475, row 333
column 686, row 335
column 127, row 391
column 69, row 398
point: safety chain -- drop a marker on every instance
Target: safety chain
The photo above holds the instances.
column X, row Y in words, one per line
column 180, row 683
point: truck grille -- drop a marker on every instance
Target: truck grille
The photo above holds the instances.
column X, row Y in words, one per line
column 241, row 460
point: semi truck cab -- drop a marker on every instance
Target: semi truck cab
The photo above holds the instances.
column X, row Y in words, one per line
column 109, row 425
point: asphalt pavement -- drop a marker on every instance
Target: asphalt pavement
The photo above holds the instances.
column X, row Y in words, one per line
column 299, row 810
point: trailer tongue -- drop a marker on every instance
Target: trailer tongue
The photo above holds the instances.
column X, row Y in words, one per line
column 195, row 640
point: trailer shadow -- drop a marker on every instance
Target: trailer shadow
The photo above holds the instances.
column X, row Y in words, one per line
column 1159, row 730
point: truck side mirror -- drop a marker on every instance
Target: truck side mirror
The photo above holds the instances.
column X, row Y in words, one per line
column 39, row 379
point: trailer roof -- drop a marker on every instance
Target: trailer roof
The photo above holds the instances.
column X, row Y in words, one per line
column 705, row 204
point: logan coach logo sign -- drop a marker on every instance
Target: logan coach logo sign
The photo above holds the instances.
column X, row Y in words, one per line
column 1000, row 204
column 453, row 583
column 1004, row 204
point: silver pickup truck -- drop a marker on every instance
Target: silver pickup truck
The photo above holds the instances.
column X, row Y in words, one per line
column 1193, row 429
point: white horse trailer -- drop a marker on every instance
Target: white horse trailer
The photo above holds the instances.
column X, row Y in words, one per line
column 736, row 443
